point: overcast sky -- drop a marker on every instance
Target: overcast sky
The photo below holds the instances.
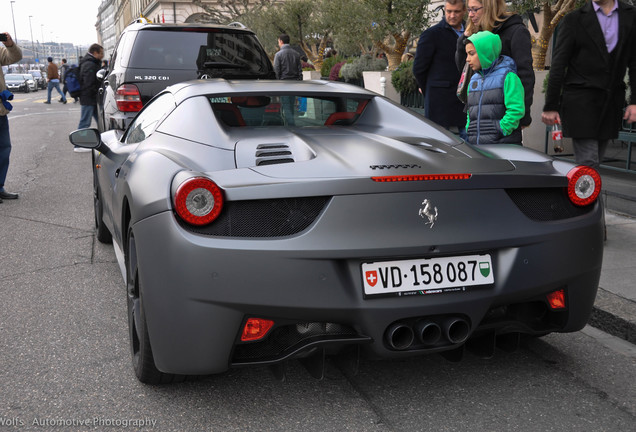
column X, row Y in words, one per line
column 70, row 21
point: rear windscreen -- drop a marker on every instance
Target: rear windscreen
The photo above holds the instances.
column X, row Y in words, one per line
column 288, row 109
column 212, row 52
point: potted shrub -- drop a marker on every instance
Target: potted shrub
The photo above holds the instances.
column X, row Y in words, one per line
column 405, row 84
column 329, row 62
column 352, row 72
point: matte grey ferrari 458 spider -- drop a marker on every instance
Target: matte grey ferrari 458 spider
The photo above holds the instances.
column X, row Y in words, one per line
column 261, row 221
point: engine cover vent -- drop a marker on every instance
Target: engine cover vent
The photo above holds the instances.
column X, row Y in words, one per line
column 273, row 153
column 261, row 147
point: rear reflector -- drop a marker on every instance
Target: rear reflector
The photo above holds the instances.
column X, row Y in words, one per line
column 256, row 328
column 422, row 177
column 556, row 299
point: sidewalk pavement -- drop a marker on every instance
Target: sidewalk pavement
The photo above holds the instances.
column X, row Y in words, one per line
column 615, row 307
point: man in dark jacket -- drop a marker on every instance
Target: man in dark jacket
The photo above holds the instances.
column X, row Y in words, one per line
column 435, row 71
column 595, row 45
column 287, row 64
column 89, row 65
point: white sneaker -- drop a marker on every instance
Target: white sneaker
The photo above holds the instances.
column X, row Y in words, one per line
column 81, row 150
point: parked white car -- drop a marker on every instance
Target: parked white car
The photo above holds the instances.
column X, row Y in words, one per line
column 33, row 85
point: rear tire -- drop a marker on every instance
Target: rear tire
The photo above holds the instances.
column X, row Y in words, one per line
column 141, row 350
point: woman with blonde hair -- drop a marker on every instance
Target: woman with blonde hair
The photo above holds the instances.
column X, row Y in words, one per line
column 493, row 16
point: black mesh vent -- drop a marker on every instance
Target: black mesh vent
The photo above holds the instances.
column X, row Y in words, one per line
column 546, row 204
column 264, row 218
column 288, row 338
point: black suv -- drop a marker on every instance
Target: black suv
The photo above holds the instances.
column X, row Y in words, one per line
column 150, row 57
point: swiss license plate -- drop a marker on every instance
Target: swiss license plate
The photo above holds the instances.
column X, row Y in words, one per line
column 427, row 276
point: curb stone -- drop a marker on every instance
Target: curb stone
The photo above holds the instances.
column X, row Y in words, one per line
column 615, row 315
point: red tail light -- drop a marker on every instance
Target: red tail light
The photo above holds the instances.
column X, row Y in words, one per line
column 128, row 98
column 556, row 299
column 198, row 201
column 584, row 185
column 256, row 328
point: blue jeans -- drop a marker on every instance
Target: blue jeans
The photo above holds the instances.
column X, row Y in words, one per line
column 87, row 112
column 54, row 84
column 5, row 149
column 289, row 107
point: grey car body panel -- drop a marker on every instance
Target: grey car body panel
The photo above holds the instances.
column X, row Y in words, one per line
column 198, row 289
column 318, row 275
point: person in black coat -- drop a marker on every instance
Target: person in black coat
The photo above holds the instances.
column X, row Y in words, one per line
column 492, row 15
column 586, row 90
column 89, row 65
column 435, row 71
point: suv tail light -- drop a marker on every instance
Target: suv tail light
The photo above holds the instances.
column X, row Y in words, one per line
column 198, row 201
column 128, row 98
column 584, row 185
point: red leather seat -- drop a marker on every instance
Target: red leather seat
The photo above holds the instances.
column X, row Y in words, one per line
column 341, row 117
column 229, row 114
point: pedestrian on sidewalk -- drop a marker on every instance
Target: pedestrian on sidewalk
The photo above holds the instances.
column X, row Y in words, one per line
column 595, row 46
column 9, row 53
column 63, row 69
column 53, row 77
column 495, row 94
column 493, row 16
column 287, row 63
column 89, row 65
column 435, row 71
column 288, row 66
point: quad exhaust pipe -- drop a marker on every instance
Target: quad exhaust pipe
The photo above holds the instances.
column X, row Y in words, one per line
column 400, row 336
column 456, row 330
column 427, row 332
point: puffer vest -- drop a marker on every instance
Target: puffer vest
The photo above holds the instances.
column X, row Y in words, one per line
column 486, row 105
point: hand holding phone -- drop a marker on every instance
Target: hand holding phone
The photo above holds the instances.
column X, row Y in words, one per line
column 4, row 37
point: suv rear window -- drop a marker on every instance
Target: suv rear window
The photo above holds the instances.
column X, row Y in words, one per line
column 208, row 51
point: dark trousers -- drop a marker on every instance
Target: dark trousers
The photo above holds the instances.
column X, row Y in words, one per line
column 589, row 152
column 5, row 149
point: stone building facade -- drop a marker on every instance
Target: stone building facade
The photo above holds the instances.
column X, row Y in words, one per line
column 114, row 15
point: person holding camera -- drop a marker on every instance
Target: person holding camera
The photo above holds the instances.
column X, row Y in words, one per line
column 9, row 53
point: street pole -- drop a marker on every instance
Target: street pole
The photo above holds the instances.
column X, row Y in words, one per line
column 32, row 45
column 15, row 35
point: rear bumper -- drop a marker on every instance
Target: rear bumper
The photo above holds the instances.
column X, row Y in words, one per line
column 198, row 290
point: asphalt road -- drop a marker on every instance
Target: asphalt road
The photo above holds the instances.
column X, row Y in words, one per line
column 65, row 361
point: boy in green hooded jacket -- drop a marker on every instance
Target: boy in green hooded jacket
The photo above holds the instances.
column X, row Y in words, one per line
column 495, row 94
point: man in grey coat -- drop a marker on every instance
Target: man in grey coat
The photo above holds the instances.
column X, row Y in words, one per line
column 287, row 63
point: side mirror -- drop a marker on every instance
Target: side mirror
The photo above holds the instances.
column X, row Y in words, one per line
column 88, row 138
column 101, row 74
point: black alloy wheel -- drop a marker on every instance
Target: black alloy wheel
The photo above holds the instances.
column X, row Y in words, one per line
column 103, row 234
column 142, row 358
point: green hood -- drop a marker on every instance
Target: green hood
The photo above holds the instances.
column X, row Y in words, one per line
column 488, row 47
